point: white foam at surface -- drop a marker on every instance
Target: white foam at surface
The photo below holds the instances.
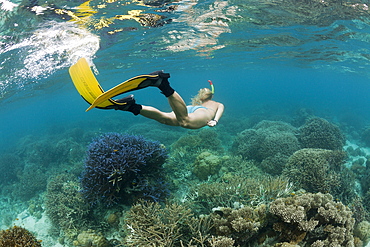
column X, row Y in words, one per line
column 7, row 5
column 52, row 47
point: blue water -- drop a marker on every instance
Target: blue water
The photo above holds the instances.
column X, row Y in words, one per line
column 265, row 58
column 243, row 90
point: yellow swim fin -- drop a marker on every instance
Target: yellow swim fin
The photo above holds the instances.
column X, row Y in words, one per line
column 86, row 83
column 135, row 83
column 90, row 89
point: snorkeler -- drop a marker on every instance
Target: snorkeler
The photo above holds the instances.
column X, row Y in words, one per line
column 203, row 111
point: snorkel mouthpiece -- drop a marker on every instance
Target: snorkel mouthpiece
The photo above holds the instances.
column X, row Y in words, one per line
column 212, row 87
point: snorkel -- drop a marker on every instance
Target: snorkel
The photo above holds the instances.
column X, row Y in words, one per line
column 212, row 87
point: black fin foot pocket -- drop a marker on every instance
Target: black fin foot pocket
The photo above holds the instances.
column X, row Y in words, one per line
column 161, row 74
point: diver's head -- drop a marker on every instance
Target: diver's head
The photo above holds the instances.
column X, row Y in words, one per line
column 203, row 95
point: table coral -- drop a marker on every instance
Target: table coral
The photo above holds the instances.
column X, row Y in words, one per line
column 121, row 167
column 313, row 219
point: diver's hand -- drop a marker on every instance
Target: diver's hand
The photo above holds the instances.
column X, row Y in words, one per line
column 212, row 123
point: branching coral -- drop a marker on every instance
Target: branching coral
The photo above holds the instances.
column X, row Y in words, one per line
column 9, row 164
column 65, row 205
column 149, row 224
column 238, row 191
column 365, row 136
column 319, row 133
column 91, row 238
column 303, row 220
column 221, row 241
column 156, row 131
column 320, row 170
column 240, row 224
column 189, row 146
column 207, row 164
column 313, row 219
column 269, row 142
column 18, row 236
column 32, row 179
column 123, row 166
column 362, row 231
column 50, row 150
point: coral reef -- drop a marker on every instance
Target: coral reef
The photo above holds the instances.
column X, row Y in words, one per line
column 269, row 142
column 149, row 224
column 240, row 225
column 238, row 191
column 363, row 175
column 275, row 164
column 121, row 167
column 65, row 205
column 365, row 136
column 362, row 231
column 359, row 211
column 236, row 165
column 51, row 150
column 301, row 220
column 314, row 219
column 189, row 146
column 207, row 164
column 32, row 180
column 301, row 116
column 91, row 238
column 18, row 236
column 221, row 241
column 9, row 165
column 319, row 133
column 366, row 200
column 156, row 131
column 320, row 170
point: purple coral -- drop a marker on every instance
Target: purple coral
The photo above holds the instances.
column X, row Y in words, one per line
column 123, row 167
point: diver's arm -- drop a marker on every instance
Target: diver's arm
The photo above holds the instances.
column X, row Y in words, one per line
column 218, row 115
column 219, row 112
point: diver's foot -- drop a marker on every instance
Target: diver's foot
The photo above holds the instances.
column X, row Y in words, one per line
column 127, row 101
column 129, row 105
column 162, row 83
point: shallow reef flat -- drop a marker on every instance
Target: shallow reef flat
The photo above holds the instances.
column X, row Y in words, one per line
column 269, row 183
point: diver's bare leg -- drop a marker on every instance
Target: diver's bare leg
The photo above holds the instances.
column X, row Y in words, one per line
column 168, row 118
column 178, row 106
column 175, row 118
